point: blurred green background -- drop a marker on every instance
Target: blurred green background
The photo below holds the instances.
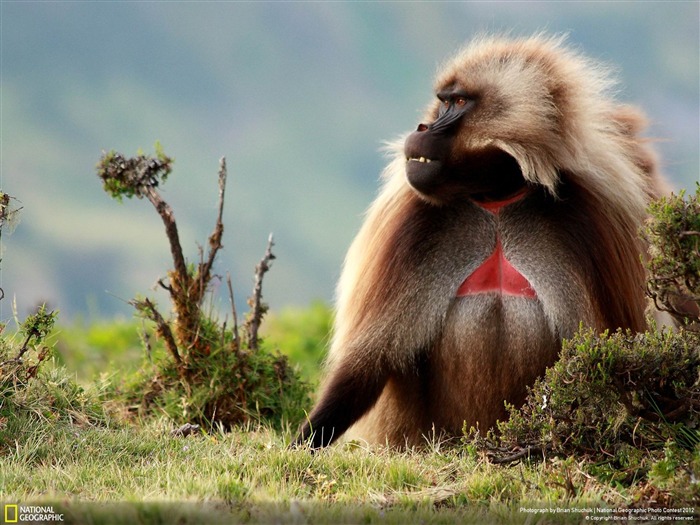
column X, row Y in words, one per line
column 114, row 349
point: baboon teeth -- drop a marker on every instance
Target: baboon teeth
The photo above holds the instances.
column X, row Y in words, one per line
column 420, row 159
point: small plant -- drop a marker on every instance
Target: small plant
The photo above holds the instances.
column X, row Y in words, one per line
column 214, row 373
column 19, row 364
column 32, row 389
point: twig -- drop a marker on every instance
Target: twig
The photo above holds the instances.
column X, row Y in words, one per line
column 25, row 345
column 164, row 286
column 236, row 341
column 10, row 361
column 185, row 430
column 4, row 213
column 4, row 208
column 204, row 273
column 255, row 302
column 522, row 453
column 162, row 327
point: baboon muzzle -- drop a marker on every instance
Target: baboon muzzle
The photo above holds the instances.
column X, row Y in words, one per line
column 425, row 156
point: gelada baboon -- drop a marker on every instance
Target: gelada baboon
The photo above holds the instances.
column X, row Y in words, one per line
column 507, row 218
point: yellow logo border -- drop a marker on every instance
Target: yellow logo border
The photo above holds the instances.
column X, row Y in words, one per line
column 7, row 514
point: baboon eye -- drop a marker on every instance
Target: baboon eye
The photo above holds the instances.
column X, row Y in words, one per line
column 460, row 101
column 444, row 105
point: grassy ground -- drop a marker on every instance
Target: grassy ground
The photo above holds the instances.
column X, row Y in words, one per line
column 62, row 450
column 144, row 475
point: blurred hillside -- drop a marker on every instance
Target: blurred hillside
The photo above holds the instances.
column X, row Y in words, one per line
column 298, row 96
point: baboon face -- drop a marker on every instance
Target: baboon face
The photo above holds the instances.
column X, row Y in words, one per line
column 488, row 109
column 440, row 168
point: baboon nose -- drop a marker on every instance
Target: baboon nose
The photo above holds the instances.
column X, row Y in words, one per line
column 422, row 127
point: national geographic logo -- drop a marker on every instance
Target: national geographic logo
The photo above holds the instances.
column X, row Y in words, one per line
column 11, row 513
column 31, row 514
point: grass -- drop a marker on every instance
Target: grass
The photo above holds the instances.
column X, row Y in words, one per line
column 68, row 442
column 144, row 475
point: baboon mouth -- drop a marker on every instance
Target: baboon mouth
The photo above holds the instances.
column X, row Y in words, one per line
column 425, row 174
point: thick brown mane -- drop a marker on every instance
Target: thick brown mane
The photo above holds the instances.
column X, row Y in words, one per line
column 611, row 241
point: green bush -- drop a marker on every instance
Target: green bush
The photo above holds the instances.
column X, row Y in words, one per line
column 224, row 389
column 612, row 391
column 620, row 403
column 674, row 262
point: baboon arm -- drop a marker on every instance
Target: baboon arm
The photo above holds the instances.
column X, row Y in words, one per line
column 349, row 393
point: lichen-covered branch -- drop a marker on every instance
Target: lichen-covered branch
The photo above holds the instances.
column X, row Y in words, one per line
column 129, row 177
column 139, row 177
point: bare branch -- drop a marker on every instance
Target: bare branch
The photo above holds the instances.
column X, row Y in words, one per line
column 258, row 309
column 204, row 272
column 525, row 452
column 168, row 217
column 236, row 340
column 149, row 309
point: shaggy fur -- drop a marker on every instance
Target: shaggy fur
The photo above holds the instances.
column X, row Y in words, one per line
column 408, row 357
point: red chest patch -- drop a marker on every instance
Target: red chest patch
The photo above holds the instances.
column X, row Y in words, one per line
column 497, row 274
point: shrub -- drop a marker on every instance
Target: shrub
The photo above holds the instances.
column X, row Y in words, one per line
column 674, row 263
column 33, row 389
column 609, row 392
column 212, row 373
